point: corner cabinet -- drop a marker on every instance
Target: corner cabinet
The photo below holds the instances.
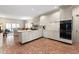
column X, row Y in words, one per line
column 51, row 34
column 52, row 30
column 35, row 34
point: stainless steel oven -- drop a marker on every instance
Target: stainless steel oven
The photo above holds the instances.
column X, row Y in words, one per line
column 66, row 29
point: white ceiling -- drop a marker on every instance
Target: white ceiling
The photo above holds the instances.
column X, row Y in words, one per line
column 25, row 10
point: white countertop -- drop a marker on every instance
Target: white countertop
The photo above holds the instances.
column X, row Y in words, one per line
column 26, row 30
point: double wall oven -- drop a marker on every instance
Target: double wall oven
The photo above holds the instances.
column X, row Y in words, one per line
column 66, row 29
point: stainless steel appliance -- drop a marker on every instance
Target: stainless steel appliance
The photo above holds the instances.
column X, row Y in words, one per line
column 66, row 29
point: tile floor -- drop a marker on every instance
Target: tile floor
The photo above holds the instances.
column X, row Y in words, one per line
column 39, row 46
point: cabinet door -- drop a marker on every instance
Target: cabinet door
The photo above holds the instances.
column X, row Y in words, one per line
column 51, row 34
column 36, row 34
column 32, row 35
column 77, row 29
column 55, row 35
column 25, row 37
column 39, row 33
column 45, row 33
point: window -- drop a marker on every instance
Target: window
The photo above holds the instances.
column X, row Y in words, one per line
column 18, row 26
column 12, row 26
column 28, row 25
column 8, row 26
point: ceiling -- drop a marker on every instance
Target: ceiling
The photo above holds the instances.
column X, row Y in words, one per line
column 25, row 10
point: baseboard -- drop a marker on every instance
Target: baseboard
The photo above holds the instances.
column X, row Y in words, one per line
column 46, row 38
column 30, row 41
column 59, row 41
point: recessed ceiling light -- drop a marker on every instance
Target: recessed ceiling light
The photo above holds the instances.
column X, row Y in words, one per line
column 32, row 9
column 56, row 7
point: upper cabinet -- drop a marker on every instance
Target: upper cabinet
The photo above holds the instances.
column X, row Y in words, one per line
column 55, row 17
column 51, row 18
column 53, row 26
column 66, row 13
column 44, row 20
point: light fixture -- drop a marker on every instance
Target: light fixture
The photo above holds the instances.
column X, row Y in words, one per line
column 32, row 9
column 25, row 18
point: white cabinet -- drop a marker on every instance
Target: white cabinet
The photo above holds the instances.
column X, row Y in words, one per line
column 30, row 35
column 52, row 30
column 66, row 13
column 35, row 34
column 54, row 17
column 56, row 35
column 76, row 29
column 51, row 34
column 39, row 33
column 45, row 33
column 24, row 37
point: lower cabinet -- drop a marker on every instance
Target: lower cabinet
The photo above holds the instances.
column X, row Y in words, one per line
column 24, row 37
column 30, row 35
column 54, row 35
column 34, row 34
column 51, row 34
column 46, row 34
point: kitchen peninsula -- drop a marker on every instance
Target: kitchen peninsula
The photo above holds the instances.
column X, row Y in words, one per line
column 29, row 35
